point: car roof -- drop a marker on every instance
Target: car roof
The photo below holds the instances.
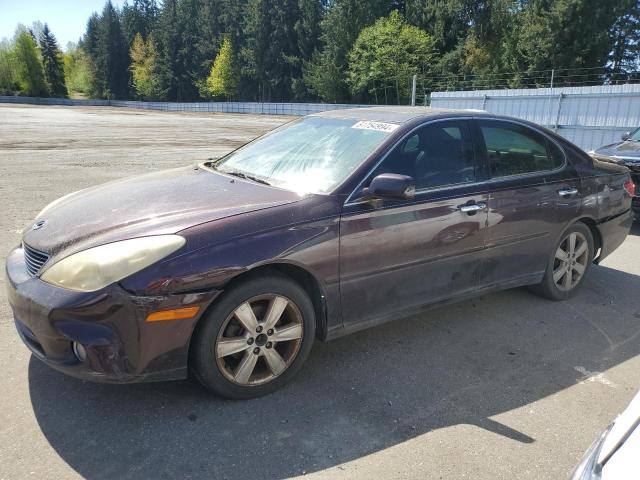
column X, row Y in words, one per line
column 394, row 114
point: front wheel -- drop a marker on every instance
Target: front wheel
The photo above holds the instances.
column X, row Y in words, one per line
column 255, row 338
column 568, row 264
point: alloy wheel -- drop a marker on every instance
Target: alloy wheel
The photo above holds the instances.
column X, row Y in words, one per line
column 259, row 340
column 571, row 260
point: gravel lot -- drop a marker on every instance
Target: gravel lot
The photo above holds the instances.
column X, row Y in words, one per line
column 506, row 386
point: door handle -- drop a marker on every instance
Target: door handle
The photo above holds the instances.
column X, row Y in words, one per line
column 567, row 192
column 472, row 207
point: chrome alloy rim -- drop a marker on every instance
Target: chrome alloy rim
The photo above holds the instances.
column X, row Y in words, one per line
column 571, row 260
column 259, row 340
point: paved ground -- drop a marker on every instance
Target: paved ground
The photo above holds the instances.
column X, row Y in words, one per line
column 507, row 386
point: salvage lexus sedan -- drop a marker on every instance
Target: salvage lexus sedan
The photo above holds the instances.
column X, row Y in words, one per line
column 332, row 223
column 627, row 153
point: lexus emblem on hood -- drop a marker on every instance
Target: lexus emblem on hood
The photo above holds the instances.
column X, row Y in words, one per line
column 38, row 225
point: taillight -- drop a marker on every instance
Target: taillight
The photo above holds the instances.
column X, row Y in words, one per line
column 630, row 187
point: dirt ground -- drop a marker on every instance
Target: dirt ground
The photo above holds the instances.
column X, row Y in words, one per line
column 506, row 386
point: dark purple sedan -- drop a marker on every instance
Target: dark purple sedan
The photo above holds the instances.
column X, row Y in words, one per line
column 333, row 223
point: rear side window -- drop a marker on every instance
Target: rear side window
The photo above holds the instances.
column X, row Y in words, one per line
column 513, row 149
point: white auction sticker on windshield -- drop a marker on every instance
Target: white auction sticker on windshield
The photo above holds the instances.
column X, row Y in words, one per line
column 380, row 126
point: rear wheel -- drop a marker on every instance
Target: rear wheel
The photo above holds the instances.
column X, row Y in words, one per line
column 255, row 338
column 568, row 264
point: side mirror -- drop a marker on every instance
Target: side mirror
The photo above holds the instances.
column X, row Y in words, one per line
column 626, row 136
column 391, row 185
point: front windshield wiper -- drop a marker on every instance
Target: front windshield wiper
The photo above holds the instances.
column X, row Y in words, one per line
column 214, row 164
column 246, row 176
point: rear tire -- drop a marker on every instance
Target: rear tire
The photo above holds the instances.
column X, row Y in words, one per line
column 568, row 264
column 255, row 338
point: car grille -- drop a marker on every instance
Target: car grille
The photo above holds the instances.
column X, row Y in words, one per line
column 34, row 259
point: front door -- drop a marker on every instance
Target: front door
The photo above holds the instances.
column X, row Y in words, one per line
column 398, row 255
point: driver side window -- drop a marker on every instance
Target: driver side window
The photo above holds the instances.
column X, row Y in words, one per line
column 435, row 155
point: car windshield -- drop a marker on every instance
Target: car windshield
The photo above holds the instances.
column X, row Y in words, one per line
column 313, row 154
column 635, row 136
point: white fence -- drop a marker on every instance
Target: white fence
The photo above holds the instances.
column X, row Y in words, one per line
column 221, row 107
column 587, row 116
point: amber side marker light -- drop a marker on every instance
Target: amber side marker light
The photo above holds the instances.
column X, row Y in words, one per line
column 174, row 314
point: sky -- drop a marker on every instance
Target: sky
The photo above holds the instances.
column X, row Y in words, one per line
column 67, row 19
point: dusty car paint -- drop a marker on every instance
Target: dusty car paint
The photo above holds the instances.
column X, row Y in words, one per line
column 154, row 204
column 362, row 263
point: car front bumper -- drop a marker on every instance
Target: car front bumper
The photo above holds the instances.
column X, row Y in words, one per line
column 121, row 346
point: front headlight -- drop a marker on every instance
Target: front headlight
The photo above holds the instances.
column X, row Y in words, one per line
column 97, row 267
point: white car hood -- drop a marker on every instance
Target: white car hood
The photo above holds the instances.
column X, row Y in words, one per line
column 619, row 452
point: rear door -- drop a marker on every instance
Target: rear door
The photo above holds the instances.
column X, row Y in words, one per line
column 534, row 193
column 396, row 255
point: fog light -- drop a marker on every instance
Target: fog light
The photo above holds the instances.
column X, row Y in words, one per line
column 79, row 351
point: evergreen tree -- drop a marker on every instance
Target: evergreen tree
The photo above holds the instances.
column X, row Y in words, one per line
column 89, row 42
column 210, row 34
column 223, row 79
column 308, row 31
column 189, row 64
column 232, row 20
column 131, row 22
column 308, row 27
column 140, row 17
column 28, row 65
column 624, row 37
column 53, row 63
column 106, row 47
column 168, row 39
column 272, row 47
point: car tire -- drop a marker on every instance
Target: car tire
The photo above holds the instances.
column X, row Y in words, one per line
column 272, row 354
column 566, row 268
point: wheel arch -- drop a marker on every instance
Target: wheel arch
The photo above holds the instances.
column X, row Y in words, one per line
column 595, row 233
column 302, row 276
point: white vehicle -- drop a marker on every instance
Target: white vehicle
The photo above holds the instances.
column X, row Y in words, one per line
column 614, row 455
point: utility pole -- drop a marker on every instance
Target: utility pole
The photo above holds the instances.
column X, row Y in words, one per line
column 413, row 90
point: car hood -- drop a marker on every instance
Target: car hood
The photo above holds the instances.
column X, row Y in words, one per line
column 623, row 152
column 158, row 203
